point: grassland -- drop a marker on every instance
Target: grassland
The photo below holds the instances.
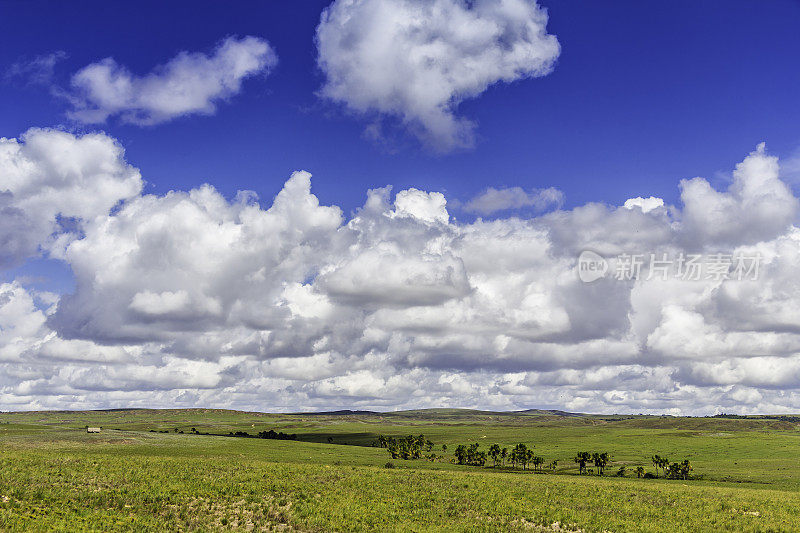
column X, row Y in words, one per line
column 142, row 473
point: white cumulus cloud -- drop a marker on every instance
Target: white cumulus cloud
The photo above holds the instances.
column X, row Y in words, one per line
column 189, row 83
column 645, row 204
column 48, row 177
column 757, row 206
column 415, row 60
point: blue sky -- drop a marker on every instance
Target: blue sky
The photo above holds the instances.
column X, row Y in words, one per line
column 544, row 124
column 642, row 95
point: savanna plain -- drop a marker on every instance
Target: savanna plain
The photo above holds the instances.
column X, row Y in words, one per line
column 211, row 470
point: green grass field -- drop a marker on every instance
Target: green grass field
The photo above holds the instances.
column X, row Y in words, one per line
column 142, row 473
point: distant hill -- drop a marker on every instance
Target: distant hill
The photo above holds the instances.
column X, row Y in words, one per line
column 341, row 412
column 554, row 412
column 431, row 413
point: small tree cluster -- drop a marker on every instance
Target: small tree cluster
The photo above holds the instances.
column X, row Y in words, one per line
column 408, row 447
column 498, row 455
column 678, row 470
column 277, row 435
column 599, row 459
column 520, row 456
column 581, row 459
column 271, row 434
column 469, row 455
column 659, row 462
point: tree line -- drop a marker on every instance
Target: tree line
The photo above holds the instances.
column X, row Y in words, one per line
column 782, row 418
column 271, row 434
column 521, row 456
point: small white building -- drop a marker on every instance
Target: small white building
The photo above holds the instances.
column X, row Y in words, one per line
column 92, row 430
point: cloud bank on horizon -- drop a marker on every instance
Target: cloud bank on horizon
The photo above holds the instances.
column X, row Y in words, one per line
column 189, row 298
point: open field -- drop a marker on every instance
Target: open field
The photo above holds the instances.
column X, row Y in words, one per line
column 141, row 472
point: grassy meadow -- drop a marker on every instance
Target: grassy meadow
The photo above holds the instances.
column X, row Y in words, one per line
column 148, row 470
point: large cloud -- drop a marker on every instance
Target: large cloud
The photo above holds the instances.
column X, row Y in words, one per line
column 207, row 263
column 416, row 60
column 190, row 298
column 758, row 205
column 51, row 180
column 189, row 83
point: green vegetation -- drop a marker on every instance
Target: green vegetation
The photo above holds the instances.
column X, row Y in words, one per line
column 409, row 447
column 469, row 455
column 179, row 470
